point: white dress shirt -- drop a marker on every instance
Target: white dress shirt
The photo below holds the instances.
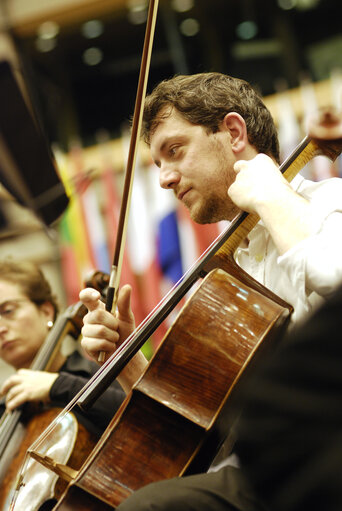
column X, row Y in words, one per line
column 311, row 270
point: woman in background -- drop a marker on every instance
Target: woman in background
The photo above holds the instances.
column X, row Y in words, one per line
column 28, row 310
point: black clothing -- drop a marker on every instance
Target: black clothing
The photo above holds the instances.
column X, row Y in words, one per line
column 224, row 490
column 74, row 374
column 290, row 434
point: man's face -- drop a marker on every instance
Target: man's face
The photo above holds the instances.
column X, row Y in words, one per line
column 196, row 165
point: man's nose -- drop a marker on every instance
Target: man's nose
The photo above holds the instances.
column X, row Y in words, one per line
column 169, row 177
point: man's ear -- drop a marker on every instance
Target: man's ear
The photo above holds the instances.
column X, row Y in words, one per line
column 235, row 125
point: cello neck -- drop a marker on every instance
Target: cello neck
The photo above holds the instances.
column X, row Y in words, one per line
column 68, row 323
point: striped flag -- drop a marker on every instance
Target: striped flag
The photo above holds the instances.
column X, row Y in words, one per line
column 73, row 238
column 289, row 131
column 320, row 166
column 111, row 212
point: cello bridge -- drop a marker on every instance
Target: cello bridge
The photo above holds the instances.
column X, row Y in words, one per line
column 66, row 473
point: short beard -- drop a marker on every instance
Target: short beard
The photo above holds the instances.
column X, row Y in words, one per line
column 214, row 211
column 210, row 213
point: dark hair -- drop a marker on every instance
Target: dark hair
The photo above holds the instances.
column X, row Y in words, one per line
column 31, row 281
column 205, row 98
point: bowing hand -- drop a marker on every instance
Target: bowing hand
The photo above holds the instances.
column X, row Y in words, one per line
column 102, row 331
column 26, row 385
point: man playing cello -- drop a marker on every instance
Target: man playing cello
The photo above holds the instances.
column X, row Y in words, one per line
column 216, row 146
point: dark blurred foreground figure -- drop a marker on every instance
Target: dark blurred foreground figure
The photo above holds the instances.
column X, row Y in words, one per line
column 290, row 434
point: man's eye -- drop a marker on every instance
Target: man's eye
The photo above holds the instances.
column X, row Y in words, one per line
column 173, row 150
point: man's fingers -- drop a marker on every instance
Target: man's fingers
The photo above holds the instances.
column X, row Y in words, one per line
column 95, row 346
column 239, row 165
column 91, row 298
column 94, row 330
column 124, row 303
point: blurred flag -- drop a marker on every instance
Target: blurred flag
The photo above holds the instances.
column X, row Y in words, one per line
column 320, row 166
column 288, row 127
column 142, row 243
column 76, row 259
column 336, row 88
column 336, row 92
column 111, row 211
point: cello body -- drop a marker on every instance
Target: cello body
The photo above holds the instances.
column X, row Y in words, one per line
column 69, row 443
column 181, row 410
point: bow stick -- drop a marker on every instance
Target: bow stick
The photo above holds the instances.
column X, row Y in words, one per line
column 115, row 274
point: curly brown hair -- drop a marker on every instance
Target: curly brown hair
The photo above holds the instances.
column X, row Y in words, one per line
column 204, row 99
column 31, row 281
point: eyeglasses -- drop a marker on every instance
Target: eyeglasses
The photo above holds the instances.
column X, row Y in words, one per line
column 10, row 308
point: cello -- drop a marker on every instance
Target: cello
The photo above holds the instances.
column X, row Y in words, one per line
column 182, row 408
column 19, row 428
